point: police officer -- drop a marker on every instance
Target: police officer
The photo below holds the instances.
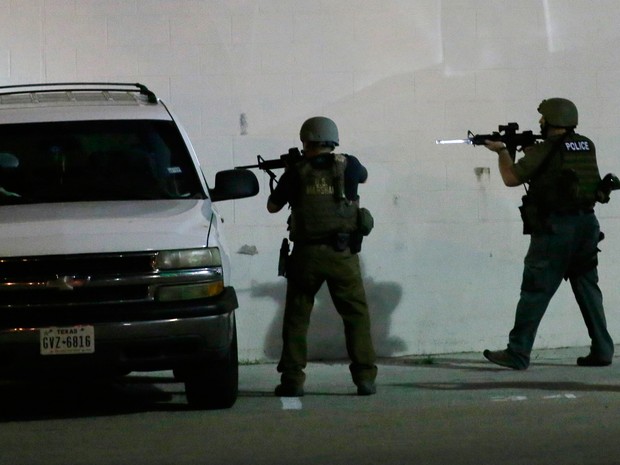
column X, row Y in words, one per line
column 321, row 190
column 558, row 213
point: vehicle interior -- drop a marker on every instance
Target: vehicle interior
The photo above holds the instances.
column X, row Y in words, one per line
column 94, row 160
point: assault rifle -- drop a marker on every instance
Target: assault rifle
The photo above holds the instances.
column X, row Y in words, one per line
column 283, row 161
column 515, row 141
column 518, row 141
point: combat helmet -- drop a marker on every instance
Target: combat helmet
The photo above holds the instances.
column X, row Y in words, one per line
column 321, row 130
column 559, row 112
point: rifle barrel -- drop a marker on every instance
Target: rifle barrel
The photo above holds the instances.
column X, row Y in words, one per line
column 453, row 141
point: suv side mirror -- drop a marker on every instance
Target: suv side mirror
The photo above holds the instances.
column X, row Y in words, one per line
column 234, row 184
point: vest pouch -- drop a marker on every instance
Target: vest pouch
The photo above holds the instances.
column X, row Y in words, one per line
column 569, row 185
column 365, row 221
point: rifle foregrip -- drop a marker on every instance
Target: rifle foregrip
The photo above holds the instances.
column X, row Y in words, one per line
column 479, row 139
column 274, row 164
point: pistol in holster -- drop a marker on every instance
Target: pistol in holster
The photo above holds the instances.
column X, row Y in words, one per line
column 283, row 259
column 535, row 220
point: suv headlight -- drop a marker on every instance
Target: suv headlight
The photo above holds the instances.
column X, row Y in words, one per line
column 190, row 258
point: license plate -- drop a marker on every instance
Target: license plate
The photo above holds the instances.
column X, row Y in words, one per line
column 67, row 340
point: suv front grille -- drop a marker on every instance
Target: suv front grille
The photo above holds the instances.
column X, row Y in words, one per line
column 33, row 268
column 76, row 280
column 52, row 297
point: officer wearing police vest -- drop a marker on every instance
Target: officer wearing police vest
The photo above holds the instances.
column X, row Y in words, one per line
column 558, row 213
column 321, row 190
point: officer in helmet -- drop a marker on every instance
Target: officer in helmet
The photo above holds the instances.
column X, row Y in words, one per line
column 558, row 213
column 321, row 190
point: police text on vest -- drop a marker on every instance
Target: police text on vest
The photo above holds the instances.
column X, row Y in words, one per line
column 577, row 146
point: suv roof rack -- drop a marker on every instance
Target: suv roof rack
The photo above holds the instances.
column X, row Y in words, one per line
column 79, row 86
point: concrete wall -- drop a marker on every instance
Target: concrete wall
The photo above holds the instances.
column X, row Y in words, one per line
column 443, row 265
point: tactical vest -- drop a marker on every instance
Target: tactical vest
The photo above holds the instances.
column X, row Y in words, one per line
column 569, row 176
column 321, row 209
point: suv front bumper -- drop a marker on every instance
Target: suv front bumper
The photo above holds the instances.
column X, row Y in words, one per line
column 166, row 340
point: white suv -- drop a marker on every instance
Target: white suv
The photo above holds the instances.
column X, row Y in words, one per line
column 110, row 256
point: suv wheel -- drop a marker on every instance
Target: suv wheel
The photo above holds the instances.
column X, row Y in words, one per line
column 213, row 384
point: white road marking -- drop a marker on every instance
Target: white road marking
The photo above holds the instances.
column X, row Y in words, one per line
column 567, row 395
column 508, row 398
column 291, row 403
column 561, row 396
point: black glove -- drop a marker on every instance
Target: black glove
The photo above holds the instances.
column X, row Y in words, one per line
column 609, row 183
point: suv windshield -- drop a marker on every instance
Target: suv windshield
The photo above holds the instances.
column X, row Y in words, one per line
column 94, row 160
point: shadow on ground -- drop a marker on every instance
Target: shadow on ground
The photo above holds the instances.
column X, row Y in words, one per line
column 39, row 399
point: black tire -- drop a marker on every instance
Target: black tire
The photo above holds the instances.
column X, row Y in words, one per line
column 214, row 384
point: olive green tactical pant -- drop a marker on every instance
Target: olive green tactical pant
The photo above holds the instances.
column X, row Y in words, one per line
column 309, row 267
column 568, row 251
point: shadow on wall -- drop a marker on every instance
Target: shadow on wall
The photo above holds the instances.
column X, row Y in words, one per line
column 326, row 333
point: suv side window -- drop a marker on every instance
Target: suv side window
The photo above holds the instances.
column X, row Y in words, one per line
column 94, row 160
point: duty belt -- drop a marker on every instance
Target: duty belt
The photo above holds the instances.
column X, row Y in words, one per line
column 339, row 241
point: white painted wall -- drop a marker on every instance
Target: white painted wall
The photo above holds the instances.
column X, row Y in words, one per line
column 443, row 266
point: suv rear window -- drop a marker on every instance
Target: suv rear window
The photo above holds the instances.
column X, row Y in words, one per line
column 94, row 160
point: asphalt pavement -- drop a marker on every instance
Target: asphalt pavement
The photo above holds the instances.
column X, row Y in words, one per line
column 452, row 409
